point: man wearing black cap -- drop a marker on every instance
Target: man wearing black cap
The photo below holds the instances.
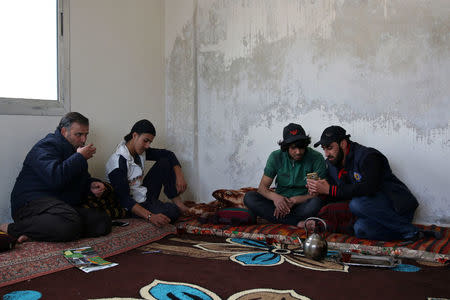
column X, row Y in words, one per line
column 383, row 205
column 290, row 203
column 53, row 184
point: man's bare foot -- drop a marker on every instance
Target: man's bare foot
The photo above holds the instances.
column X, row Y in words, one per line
column 22, row 238
column 183, row 208
column 310, row 226
column 4, row 227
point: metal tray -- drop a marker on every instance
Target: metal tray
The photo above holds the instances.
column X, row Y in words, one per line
column 371, row 261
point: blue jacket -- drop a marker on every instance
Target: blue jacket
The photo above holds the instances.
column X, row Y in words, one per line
column 367, row 172
column 52, row 168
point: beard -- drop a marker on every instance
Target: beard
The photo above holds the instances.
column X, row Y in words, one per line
column 74, row 143
column 338, row 159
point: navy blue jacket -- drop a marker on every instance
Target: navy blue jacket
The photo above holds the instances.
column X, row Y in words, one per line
column 367, row 172
column 52, row 168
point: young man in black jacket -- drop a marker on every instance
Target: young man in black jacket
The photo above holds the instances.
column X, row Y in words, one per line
column 383, row 205
column 47, row 198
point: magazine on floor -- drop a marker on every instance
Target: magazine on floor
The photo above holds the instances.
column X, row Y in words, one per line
column 87, row 259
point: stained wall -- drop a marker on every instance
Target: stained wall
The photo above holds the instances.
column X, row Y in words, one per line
column 238, row 71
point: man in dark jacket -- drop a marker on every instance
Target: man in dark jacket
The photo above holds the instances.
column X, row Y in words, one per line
column 47, row 198
column 383, row 205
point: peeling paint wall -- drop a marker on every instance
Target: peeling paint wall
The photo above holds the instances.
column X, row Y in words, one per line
column 238, row 71
column 181, row 90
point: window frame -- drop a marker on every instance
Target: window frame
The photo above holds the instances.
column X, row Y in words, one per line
column 36, row 107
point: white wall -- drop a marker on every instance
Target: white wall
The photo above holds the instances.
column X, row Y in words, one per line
column 117, row 70
column 18, row 134
column 247, row 68
column 117, row 77
column 237, row 71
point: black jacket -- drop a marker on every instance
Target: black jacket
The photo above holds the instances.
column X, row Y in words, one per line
column 367, row 172
column 52, row 168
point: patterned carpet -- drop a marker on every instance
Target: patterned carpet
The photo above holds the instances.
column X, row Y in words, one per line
column 33, row 259
column 427, row 249
column 208, row 267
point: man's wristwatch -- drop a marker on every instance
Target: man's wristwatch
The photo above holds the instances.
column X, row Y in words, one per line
column 149, row 216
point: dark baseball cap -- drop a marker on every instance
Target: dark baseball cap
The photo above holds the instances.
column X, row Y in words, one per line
column 332, row 134
column 293, row 132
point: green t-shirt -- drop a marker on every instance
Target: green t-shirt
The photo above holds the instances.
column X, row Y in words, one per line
column 291, row 175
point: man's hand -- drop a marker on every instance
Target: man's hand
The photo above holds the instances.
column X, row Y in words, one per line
column 294, row 200
column 180, row 183
column 320, row 186
column 87, row 151
column 97, row 188
column 159, row 220
column 282, row 206
column 278, row 214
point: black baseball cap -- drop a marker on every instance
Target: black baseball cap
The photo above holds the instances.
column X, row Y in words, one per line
column 332, row 134
column 293, row 132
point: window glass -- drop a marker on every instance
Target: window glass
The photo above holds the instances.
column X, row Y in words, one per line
column 28, row 55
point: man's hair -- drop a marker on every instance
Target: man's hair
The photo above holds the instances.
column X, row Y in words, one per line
column 70, row 118
column 140, row 127
column 344, row 138
column 301, row 143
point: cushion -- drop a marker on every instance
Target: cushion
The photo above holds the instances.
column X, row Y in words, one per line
column 203, row 209
column 232, row 198
column 338, row 217
column 235, row 216
column 107, row 202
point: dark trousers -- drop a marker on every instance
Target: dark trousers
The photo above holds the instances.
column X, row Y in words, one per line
column 161, row 175
column 377, row 219
column 263, row 207
column 52, row 220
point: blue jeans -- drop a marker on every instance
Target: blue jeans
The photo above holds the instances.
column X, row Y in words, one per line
column 377, row 219
column 263, row 207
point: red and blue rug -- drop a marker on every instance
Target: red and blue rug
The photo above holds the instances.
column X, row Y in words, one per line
column 33, row 259
column 427, row 249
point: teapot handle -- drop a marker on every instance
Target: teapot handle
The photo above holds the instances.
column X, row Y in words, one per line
column 315, row 219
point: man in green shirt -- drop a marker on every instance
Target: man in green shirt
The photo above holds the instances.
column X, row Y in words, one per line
column 290, row 203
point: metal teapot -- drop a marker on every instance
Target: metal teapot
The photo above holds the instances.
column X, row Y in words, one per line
column 315, row 246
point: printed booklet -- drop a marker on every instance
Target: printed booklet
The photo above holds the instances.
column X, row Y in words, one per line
column 87, row 259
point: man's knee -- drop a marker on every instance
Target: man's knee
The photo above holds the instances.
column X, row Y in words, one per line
column 315, row 204
column 69, row 233
column 358, row 206
column 250, row 198
column 162, row 164
column 173, row 212
column 310, row 208
column 99, row 224
column 65, row 231
column 360, row 228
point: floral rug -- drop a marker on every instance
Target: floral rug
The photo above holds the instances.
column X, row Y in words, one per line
column 245, row 252
column 33, row 259
column 426, row 249
column 189, row 266
column 160, row 289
